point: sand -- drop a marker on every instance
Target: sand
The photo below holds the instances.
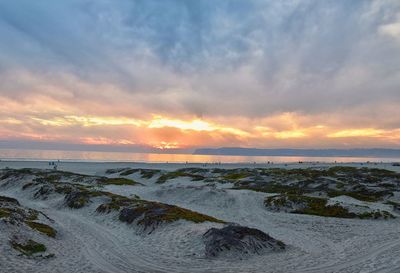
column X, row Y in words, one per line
column 88, row 242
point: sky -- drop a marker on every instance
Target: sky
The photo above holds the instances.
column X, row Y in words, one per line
column 186, row 74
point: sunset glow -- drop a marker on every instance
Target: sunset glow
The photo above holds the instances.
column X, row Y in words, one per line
column 369, row 132
column 166, row 133
column 196, row 125
column 106, row 79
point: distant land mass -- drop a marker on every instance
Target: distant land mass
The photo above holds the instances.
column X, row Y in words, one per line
column 373, row 152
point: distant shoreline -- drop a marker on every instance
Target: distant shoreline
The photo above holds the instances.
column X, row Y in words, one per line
column 364, row 153
column 95, row 168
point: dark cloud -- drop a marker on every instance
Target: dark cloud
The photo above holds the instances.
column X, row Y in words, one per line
column 206, row 58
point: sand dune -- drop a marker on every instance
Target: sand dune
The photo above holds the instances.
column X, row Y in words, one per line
column 89, row 241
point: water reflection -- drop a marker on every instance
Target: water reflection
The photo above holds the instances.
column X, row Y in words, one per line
column 14, row 154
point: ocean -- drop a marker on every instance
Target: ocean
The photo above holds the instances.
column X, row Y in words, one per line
column 94, row 156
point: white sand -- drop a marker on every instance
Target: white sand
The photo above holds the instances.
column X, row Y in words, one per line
column 88, row 242
column 92, row 168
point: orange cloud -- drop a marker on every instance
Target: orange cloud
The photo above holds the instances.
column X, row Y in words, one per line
column 196, row 125
column 367, row 132
column 166, row 132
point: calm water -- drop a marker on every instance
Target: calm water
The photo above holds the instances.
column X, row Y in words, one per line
column 14, row 154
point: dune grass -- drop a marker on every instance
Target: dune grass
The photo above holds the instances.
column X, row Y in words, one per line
column 120, row 181
column 29, row 248
column 42, row 228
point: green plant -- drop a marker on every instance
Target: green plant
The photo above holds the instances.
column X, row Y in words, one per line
column 118, row 181
column 45, row 229
column 28, row 248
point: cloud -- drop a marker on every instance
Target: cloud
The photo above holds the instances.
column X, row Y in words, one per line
column 392, row 30
column 331, row 63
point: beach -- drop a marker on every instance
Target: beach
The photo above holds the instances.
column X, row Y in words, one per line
column 89, row 241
